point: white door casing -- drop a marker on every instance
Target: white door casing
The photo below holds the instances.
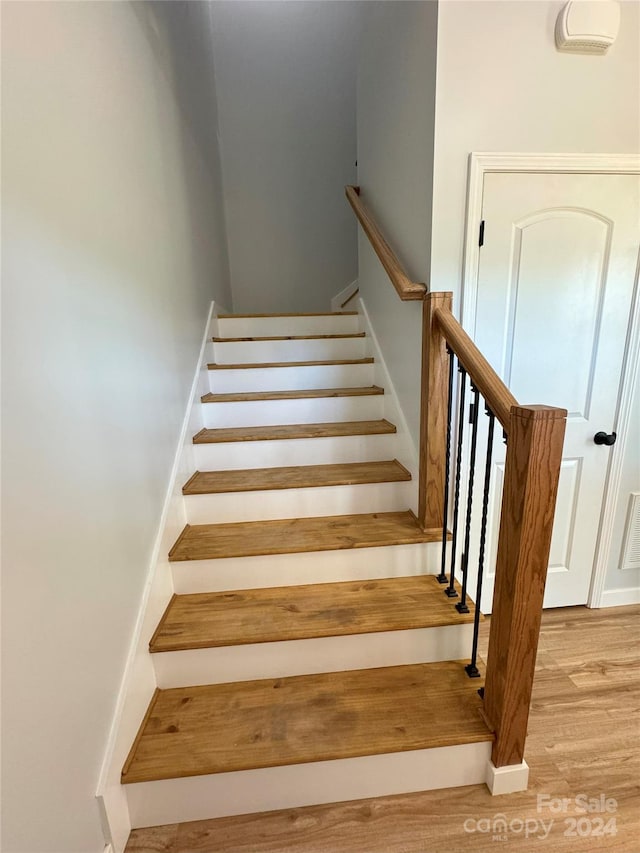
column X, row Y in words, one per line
column 549, row 304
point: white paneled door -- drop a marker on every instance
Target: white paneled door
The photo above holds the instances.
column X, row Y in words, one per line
column 555, row 288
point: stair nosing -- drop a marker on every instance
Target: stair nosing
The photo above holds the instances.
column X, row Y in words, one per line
column 291, row 314
column 290, row 470
column 338, row 542
column 261, row 338
column 301, row 394
column 315, row 633
column 198, row 437
column 277, row 364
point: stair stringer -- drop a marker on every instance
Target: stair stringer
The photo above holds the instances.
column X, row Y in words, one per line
column 139, row 678
column 407, row 451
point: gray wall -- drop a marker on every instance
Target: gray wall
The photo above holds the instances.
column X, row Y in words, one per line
column 285, row 77
column 396, row 95
column 113, row 247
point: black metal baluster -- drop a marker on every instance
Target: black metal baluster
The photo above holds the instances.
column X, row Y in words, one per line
column 471, row 668
column 442, row 577
column 461, row 606
column 450, row 591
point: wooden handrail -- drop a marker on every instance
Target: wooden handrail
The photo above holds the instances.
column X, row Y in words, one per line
column 499, row 399
column 531, row 475
column 406, row 288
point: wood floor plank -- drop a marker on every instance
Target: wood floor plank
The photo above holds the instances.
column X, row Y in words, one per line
column 208, row 620
column 570, row 750
column 295, row 477
column 311, row 393
column 288, row 431
column 275, row 364
column 296, row 535
column 290, row 337
column 219, row 728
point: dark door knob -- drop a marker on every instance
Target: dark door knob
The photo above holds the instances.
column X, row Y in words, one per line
column 605, row 438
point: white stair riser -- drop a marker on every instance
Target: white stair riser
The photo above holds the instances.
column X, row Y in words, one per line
column 297, row 785
column 264, row 352
column 290, row 378
column 297, row 503
column 324, row 324
column 349, row 564
column 319, row 654
column 299, row 451
column 305, row 410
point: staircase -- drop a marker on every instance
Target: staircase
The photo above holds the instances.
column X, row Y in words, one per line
column 309, row 654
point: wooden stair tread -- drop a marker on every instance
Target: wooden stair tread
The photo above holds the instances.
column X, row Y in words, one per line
column 217, row 340
column 295, row 477
column 208, row 620
column 272, row 722
column 294, row 314
column 288, row 431
column 269, row 364
column 292, row 395
column 297, row 535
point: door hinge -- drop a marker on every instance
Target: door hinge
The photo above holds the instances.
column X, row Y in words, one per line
column 481, row 235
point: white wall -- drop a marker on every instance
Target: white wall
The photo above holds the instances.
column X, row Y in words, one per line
column 503, row 86
column 617, row 577
column 285, row 77
column 113, row 246
column 396, row 90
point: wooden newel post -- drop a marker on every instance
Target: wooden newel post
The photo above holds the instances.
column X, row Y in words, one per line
column 532, row 469
column 433, row 413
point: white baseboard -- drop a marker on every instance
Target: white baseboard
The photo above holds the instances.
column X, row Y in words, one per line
column 345, row 294
column 213, row 327
column 620, row 597
column 297, row 785
column 407, row 449
column 139, row 680
column 507, row 780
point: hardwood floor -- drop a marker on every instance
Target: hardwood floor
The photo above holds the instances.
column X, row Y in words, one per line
column 583, row 739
